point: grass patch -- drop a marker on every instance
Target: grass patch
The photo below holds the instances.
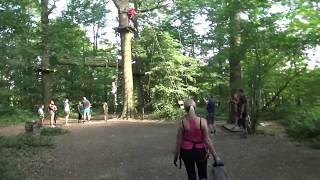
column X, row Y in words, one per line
column 16, row 152
column 7, row 169
column 24, row 141
column 53, row 131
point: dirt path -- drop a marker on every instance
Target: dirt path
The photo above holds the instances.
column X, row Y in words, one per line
column 143, row 151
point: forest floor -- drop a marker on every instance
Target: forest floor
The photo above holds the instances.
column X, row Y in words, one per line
column 135, row 150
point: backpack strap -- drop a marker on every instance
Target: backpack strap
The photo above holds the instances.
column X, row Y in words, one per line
column 183, row 128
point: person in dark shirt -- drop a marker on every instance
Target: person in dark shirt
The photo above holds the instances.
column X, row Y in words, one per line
column 242, row 110
column 211, row 107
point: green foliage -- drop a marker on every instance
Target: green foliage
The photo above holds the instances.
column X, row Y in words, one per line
column 169, row 112
column 53, row 131
column 7, row 169
column 14, row 116
column 304, row 124
column 25, row 141
column 162, row 58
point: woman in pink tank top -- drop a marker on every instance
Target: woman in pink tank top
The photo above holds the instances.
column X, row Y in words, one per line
column 192, row 143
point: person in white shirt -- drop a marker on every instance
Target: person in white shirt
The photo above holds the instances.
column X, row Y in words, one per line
column 66, row 110
column 41, row 114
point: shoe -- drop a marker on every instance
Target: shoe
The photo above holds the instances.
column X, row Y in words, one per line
column 214, row 131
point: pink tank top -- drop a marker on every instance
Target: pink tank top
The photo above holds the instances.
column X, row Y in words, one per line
column 193, row 137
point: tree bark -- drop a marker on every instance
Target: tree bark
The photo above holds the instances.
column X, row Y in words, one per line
column 234, row 60
column 46, row 81
column 126, row 36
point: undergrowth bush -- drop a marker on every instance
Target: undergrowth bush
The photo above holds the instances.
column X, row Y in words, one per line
column 52, row 131
column 168, row 112
column 25, row 141
column 304, row 124
column 13, row 117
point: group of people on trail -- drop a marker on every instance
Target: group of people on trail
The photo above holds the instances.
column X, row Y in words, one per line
column 83, row 110
column 193, row 144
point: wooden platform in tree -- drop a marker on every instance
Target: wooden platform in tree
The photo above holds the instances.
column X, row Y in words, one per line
column 44, row 70
column 232, row 128
column 124, row 29
column 96, row 61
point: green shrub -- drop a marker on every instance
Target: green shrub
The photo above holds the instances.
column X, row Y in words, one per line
column 13, row 117
column 24, row 141
column 168, row 112
column 8, row 169
column 304, row 124
column 53, row 131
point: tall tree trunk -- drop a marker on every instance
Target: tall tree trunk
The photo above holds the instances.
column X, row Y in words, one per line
column 46, row 82
column 126, row 36
column 234, row 60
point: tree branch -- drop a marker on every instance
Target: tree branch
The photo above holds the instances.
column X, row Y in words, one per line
column 116, row 3
column 52, row 8
column 158, row 6
column 279, row 92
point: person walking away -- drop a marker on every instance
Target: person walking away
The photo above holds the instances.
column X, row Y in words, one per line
column 211, row 106
column 52, row 111
column 105, row 110
column 86, row 109
column 41, row 115
column 192, row 143
column 66, row 106
column 79, row 110
column 242, row 111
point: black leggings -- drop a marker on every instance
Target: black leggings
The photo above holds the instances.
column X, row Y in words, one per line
column 192, row 157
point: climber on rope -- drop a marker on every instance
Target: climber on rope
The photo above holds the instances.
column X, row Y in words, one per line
column 132, row 13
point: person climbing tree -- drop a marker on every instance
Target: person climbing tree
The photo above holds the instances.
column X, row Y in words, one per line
column 131, row 15
column 126, row 36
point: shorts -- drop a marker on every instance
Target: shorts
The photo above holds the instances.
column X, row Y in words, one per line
column 86, row 111
column 210, row 118
column 51, row 112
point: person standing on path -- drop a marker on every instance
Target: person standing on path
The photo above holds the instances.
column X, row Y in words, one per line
column 105, row 110
column 41, row 115
column 242, row 110
column 79, row 110
column 66, row 108
column 192, row 143
column 211, row 107
column 234, row 102
column 86, row 109
column 52, row 111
